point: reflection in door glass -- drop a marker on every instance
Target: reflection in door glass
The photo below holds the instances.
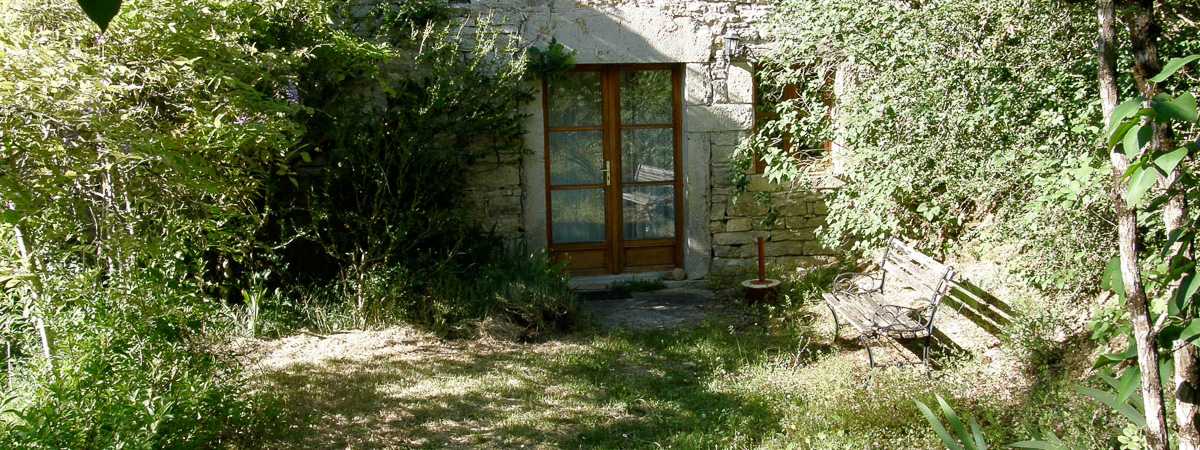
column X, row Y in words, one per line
column 646, row 97
column 648, row 154
column 577, row 216
column 574, row 99
column 576, row 157
column 649, row 212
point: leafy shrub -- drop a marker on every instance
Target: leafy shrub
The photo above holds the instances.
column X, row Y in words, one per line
column 1038, row 335
column 169, row 164
column 131, row 369
column 519, row 287
column 961, row 122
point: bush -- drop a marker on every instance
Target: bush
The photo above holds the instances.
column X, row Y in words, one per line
column 210, row 151
column 962, row 125
column 516, row 286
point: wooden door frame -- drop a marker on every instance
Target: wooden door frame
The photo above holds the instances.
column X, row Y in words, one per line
column 615, row 246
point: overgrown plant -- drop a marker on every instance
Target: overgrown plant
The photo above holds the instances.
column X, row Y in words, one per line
column 961, row 439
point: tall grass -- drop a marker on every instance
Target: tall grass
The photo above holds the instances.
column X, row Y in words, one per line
column 520, row 287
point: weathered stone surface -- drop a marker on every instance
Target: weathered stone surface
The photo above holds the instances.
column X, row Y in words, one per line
column 739, row 224
column 698, row 85
column 787, row 248
column 759, row 183
column 720, row 117
column 743, row 238
column 739, row 84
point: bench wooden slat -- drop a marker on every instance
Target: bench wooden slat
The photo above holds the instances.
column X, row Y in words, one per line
column 921, row 258
column 915, row 276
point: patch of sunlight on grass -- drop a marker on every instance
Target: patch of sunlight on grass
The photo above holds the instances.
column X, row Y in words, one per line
column 704, row 387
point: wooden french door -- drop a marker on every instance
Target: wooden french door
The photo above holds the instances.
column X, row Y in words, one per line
column 613, row 185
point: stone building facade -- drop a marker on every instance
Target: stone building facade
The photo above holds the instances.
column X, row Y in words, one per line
column 718, row 111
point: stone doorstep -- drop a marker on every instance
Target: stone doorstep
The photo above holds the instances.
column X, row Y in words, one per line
column 599, row 283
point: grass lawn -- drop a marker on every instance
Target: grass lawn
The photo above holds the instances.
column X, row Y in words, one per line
column 714, row 386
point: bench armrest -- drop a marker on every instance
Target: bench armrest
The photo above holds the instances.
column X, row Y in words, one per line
column 849, row 282
column 920, row 314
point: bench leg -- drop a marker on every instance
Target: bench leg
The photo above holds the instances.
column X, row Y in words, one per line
column 925, row 353
column 836, row 326
column 866, row 342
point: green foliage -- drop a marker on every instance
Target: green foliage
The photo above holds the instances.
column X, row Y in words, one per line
column 555, row 59
column 961, row 439
column 126, row 163
column 131, row 370
column 961, row 123
column 175, row 178
column 1171, row 272
column 1032, row 336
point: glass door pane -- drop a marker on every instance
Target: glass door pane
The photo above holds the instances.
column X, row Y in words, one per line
column 648, row 212
column 575, row 156
column 647, row 155
column 577, row 216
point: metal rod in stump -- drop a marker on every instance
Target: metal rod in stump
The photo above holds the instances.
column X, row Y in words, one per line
column 762, row 261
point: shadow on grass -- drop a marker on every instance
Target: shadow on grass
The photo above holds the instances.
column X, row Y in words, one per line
column 622, row 390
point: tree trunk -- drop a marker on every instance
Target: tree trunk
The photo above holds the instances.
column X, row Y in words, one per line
column 1135, row 293
column 1144, row 32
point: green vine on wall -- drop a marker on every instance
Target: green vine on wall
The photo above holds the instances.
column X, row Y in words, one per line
column 553, row 60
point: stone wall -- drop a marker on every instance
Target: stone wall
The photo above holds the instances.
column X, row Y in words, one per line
column 737, row 223
column 497, row 195
column 718, row 112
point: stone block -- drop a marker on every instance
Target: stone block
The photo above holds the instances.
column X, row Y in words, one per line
column 759, row 183
column 717, row 211
column 719, row 117
column 739, row 84
column 727, row 138
column 746, row 207
column 732, row 264
column 742, row 238
column 734, row 251
column 698, row 86
column 739, row 224
column 786, row 248
column 820, row 208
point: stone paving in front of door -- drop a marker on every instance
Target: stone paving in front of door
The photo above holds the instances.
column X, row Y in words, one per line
column 666, row 308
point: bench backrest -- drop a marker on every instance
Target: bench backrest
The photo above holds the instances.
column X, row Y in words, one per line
column 903, row 264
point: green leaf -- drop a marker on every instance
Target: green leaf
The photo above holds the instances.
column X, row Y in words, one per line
column 1184, row 293
column 1168, row 161
column 1133, row 141
column 956, row 424
column 1181, row 108
column 1130, row 380
column 1173, row 66
column 977, row 433
column 1191, row 332
column 1140, row 182
column 1109, row 399
column 1166, row 370
column 1040, row 445
column 1112, row 279
column 1118, row 133
column 1050, row 442
column 1124, row 111
column 101, row 12
column 950, row 443
column 1112, row 358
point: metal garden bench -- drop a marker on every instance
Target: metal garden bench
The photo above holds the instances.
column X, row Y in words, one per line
column 860, row 299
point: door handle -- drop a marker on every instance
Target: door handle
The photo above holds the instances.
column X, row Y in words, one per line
column 608, row 173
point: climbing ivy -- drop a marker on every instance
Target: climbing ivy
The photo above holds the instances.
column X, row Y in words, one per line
column 965, row 124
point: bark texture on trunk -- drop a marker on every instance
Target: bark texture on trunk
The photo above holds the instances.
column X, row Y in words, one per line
column 1144, row 34
column 1135, row 293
